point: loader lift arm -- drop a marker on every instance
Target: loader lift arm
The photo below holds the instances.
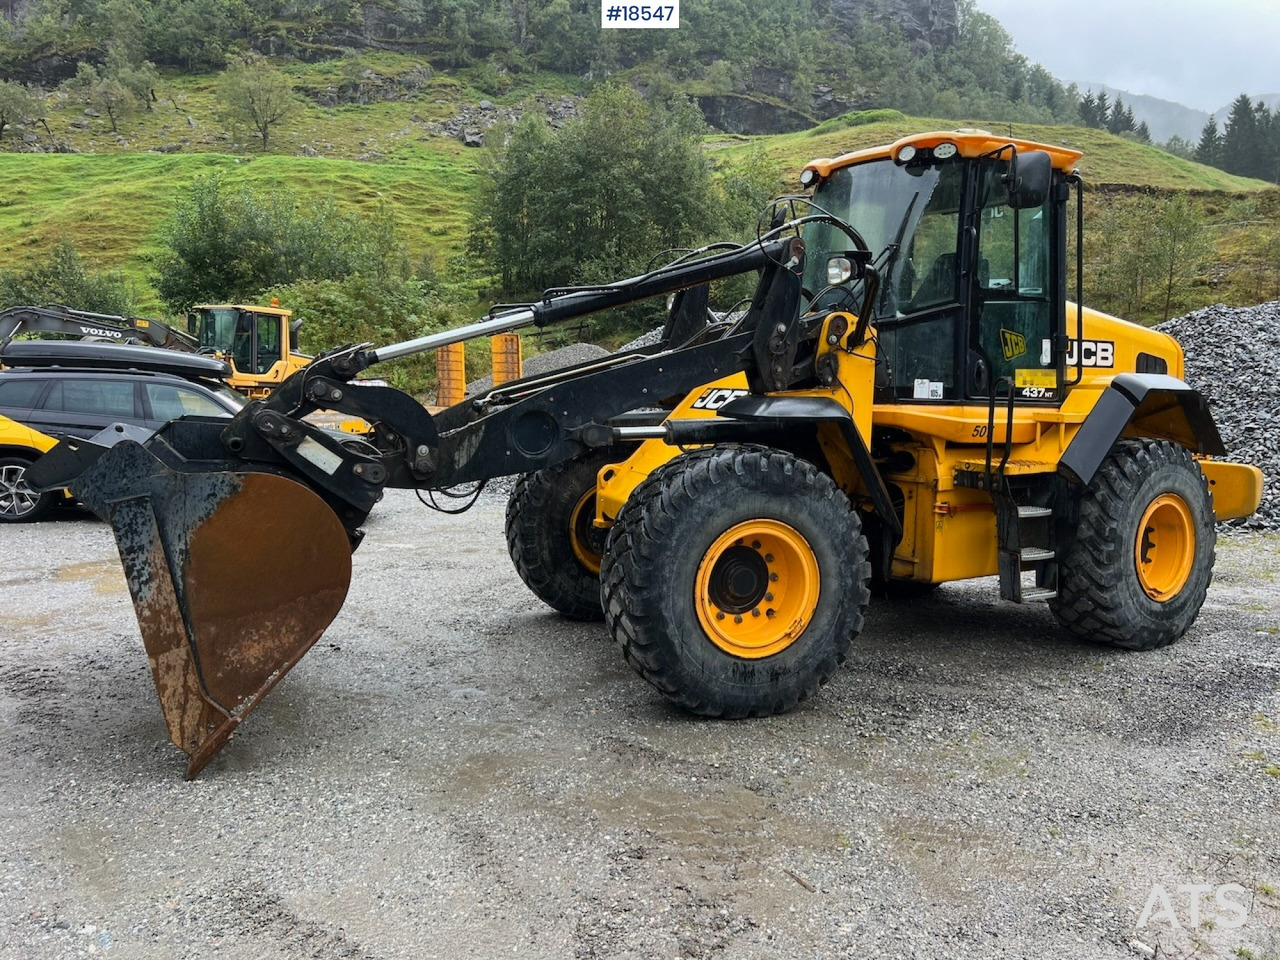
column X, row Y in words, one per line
column 219, row 634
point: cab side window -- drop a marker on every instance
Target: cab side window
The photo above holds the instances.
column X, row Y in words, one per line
column 268, row 342
column 1014, row 289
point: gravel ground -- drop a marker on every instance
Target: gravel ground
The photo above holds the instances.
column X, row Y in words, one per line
column 1233, row 358
column 456, row 772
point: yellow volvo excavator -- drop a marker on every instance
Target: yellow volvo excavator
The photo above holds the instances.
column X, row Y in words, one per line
column 910, row 398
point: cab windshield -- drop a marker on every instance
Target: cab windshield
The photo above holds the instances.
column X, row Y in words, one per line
column 218, row 328
column 229, row 331
column 886, row 204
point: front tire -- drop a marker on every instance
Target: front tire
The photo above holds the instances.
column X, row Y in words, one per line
column 552, row 538
column 1138, row 571
column 735, row 580
column 18, row 502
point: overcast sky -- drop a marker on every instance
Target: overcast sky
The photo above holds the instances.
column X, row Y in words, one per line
column 1201, row 53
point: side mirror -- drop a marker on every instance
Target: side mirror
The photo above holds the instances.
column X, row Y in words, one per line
column 1030, row 175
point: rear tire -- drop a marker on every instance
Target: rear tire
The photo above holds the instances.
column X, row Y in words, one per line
column 552, row 538
column 1138, row 571
column 18, row 502
column 735, row 580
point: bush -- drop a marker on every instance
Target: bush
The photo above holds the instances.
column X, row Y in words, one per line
column 231, row 244
column 64, row 278
column 362, row 309
column 597, row 199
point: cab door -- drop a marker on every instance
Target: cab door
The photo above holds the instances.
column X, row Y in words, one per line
column 1017, row 298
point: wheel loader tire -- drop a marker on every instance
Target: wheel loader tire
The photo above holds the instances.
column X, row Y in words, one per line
column 1137, row 573
column 18, row 502
column 735, row 580
column 550, row 533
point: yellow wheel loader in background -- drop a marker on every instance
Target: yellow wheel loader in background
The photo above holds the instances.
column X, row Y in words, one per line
column 909, row 399
column 259, row 343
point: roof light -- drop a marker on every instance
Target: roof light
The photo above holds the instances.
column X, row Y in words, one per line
column 906, row 154
column 808, row 177
column 945, row 150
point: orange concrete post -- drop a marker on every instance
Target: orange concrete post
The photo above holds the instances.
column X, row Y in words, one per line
column 506, row 358
column 451, row 374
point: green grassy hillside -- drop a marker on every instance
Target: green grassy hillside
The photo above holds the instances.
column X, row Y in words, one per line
column 110, row 206
column 110, row 198
column 1108, row 159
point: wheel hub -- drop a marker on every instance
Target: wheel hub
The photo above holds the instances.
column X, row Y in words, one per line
column 1165, row 548
column 16, row 498
column 587, row 541
column 757, row 588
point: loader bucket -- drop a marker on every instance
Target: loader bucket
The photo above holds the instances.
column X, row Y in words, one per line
column 234, row 576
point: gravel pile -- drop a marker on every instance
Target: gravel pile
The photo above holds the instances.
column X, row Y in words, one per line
column 1233, row 358
column 546, row 363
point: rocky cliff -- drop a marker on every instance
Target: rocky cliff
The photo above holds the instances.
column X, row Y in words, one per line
column 934, row 22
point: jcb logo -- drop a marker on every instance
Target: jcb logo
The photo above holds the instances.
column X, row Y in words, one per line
column 1093, row 353
column 717, row 397
column 1012, row 345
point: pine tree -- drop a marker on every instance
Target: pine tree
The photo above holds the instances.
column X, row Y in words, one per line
column 1089, row 109
column 1143, row 132
column 1267, row 159
column 1121, row 118
column 1104, row 109
column 1209, row 149
column 1240, row 138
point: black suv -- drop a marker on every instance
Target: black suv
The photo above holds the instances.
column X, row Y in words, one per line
column 69, row 388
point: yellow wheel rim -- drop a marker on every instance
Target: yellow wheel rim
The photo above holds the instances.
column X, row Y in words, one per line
column 757, row 589
column 581, row 524
column 1165, row 550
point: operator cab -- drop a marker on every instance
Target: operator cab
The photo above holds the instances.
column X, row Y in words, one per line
column 969, row 232
column 251, row 338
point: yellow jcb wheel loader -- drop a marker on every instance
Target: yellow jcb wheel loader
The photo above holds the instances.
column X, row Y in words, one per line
column 909, row 399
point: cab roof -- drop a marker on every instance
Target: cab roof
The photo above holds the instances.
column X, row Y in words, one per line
column 970, row 143
column 277, row 311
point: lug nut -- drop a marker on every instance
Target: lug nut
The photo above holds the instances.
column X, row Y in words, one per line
column 737, row 619
column 768, row 597
column 773, row 578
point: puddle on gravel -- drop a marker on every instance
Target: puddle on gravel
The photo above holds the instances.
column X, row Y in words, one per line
column 953, row 862
column 24, row 626
column 105, row 576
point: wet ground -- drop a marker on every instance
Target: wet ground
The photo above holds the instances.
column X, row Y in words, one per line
column 454, row 771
